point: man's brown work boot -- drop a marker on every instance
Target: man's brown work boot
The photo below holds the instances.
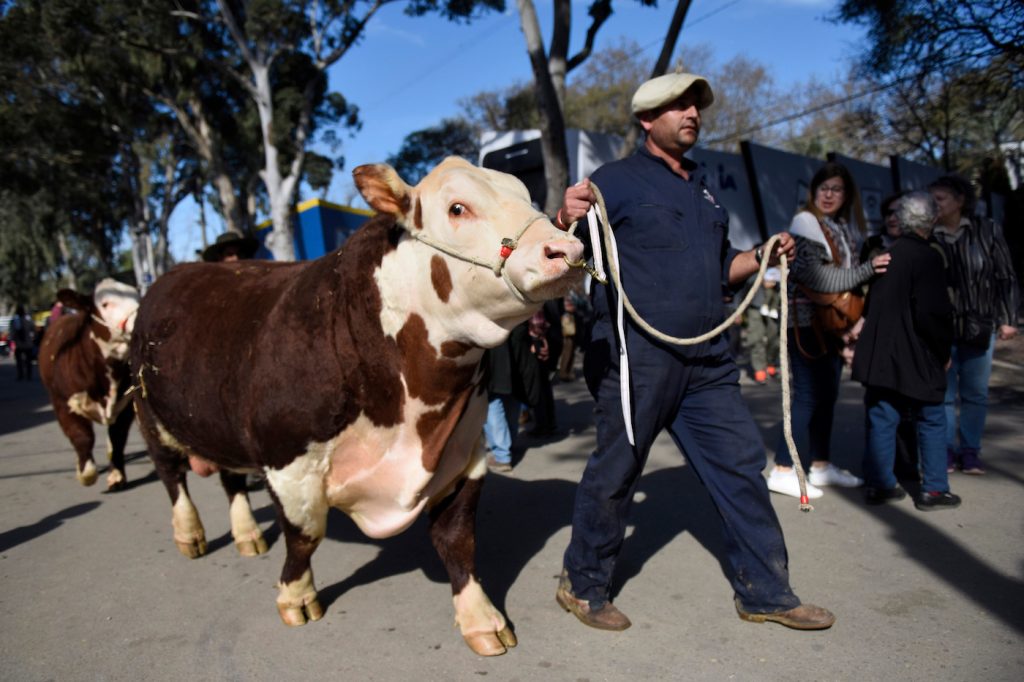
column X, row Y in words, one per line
column 605, row 618
column 803, row 617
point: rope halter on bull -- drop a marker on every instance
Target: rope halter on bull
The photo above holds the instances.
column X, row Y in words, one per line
column 497, row 266
column 119, row 330
column 611, row 249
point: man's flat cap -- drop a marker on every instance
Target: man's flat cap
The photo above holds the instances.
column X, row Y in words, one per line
column 668, row 88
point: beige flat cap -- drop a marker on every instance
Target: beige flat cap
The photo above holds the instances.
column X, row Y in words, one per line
column 664, row 89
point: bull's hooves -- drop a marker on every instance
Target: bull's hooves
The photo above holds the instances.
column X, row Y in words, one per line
column 116, row 481
column 251, row 546
column 193, row 549
column 89, row 476
column 294, row 616
column 491, row 643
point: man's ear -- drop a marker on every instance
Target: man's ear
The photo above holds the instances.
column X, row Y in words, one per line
column 383, row 190
column 646, row 119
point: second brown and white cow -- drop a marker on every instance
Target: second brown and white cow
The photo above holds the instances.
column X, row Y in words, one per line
column 83, row 362
column 354, row 380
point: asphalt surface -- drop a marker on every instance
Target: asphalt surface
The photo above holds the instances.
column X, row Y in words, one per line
column 93, row 588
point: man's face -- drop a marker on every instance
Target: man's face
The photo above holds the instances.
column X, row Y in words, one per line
column 674, row 127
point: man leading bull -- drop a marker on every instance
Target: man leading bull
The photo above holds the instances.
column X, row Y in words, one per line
column 675, row 260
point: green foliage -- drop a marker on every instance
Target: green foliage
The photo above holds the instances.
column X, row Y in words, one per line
column 514, row 108
column 453, row 10
column 424, row 149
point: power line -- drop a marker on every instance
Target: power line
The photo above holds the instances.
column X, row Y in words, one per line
column 499, row 23
column 459, row 50
column 849, row 98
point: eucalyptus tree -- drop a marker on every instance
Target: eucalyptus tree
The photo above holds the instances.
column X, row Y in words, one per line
column 59, row 161
column 278, row 52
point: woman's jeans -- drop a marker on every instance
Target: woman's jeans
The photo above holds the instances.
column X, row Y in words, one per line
column 883, row 410
column 968, row 378
column 815, row 390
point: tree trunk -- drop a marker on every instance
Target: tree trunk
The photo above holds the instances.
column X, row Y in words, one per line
column 675, row 27
column 552, row 123
column 65, row 254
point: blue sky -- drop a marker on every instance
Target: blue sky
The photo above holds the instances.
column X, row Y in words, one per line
column 409, row 73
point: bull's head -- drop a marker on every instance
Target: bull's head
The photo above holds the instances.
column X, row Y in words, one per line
column 492, row 256
column 113, row 305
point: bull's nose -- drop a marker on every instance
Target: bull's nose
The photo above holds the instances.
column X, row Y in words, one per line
column 571, row 249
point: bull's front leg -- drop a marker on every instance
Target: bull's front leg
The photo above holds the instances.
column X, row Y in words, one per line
column 452, row 530
column 298, row 494
column 247, row 534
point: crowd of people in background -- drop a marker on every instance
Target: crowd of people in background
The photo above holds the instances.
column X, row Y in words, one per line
column 926, row 298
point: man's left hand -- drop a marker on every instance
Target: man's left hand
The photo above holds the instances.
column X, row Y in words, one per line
column 1006, row 332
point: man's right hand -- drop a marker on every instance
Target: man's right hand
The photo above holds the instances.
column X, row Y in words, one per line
column 577, row 201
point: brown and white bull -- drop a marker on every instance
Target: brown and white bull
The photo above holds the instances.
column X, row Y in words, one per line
column 354, row 380
column 83, row 362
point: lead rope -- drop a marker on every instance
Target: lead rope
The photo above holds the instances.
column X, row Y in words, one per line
column 623, row 302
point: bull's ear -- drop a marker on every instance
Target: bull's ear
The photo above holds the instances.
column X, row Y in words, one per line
column 383, row 190
column 72, row 299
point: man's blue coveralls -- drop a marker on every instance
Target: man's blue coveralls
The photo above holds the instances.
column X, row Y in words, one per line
column 674, row 263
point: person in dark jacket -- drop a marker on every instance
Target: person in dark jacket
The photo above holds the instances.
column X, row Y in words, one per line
column 902, row 355
column 513, row 380
column 986, row 298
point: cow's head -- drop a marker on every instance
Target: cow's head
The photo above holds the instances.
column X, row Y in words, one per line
column 492, row 258
column 112, row 307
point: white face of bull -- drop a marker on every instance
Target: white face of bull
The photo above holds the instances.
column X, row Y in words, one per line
column 116, row 304
column 468, row 211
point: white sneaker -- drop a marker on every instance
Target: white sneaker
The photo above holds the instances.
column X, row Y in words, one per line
column 786, row 483
column 830, row 474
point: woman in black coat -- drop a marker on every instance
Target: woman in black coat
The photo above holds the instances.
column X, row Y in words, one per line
column 902, row 355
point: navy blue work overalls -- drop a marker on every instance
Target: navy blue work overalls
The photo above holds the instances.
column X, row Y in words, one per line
column 674, row 256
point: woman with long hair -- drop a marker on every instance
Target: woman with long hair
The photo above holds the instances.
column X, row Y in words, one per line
column 826, row 262
column 985, row 297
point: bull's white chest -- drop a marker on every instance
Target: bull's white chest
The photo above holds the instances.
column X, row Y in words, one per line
column 381, row 476
column 103, row 411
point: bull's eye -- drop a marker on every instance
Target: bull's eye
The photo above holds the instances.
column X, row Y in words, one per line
column 457, row 209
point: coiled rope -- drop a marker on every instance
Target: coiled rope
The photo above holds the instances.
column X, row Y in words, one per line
column 610, row 248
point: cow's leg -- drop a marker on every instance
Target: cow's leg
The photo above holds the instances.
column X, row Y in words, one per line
column 452, row 530
column 172, row 467
column 117, row 435
column 298, row 494
column 78, row 429
column 248, row 537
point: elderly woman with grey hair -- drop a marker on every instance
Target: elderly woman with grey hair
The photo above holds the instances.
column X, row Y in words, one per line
column 902, row 354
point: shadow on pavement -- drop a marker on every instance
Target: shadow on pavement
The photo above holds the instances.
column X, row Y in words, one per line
column 951, row 562
column 16, row 536
column 674, row 502
column 22, row 403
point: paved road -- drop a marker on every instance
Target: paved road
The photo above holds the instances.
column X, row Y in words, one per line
column 92, row 587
